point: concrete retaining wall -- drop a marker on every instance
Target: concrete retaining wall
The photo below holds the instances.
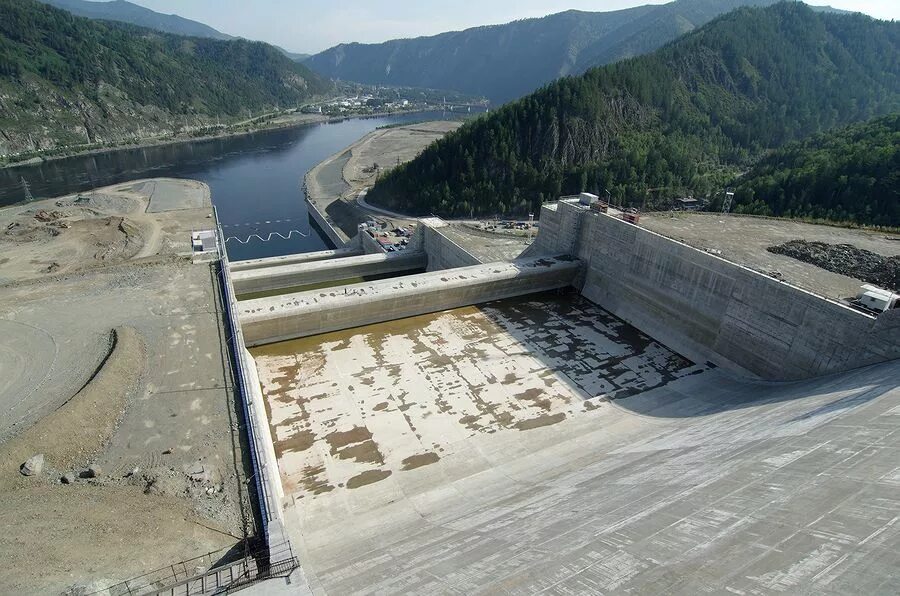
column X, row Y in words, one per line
column 443, row 253
column 287, row 276
column 266, row 476
column 711, row 309
column 559, row 229
column 334, row 235
column 290, row 316
column 369, row 245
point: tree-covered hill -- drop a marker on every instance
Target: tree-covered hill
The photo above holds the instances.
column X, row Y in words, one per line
column 69, row 80
column 686, row 118
column 505, row 62
column 848, row 174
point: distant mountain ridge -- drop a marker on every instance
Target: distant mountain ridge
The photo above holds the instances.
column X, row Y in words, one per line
column 689, row 117
column 504, row 62
column 67, row 80
column 128, row 12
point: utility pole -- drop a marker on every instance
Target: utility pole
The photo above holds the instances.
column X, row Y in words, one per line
column 530, row 226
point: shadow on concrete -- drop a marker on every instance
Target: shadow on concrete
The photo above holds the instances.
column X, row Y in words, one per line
column 714, row 392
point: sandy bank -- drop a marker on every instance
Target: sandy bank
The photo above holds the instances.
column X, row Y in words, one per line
column 334, row 183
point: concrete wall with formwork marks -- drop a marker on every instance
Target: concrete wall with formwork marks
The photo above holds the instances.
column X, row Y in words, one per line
column 369, row 244
column 334, row 234
column 290, row 316
column 443, row 253
column 294, row 259
column 286, row 276
column 708, row 308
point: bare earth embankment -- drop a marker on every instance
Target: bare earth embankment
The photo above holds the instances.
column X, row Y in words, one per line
column 334, row 184
column 115, row 372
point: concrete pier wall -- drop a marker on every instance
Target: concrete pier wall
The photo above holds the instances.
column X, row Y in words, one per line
column 369, row 245
column 289, row 316
column 307, row 257
column 334, row 235
column 287, row 276
column 443, row 253
column 711, row 309
column 559, row 229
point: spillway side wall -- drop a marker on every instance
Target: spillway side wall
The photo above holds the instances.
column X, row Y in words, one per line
column 334, row 235
column 711, row 309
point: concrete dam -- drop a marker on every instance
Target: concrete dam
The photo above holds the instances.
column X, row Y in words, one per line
column 613, row 411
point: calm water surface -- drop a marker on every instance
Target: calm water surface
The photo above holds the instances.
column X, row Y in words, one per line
column 255, row 179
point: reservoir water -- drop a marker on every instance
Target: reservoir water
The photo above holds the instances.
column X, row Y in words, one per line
column 255, row 179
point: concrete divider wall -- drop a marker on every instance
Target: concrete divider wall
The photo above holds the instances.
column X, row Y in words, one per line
column 369, row 245
column 286, row 276
column 289, row 316
column 712, row 309
column 443, row 253
column 306, row 257
column 321, row 220
column 265, row 466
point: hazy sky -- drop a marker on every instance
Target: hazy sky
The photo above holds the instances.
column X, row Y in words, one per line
column 314, row 25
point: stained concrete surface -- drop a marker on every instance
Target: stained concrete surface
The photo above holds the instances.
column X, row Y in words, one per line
column 407, row 473
column 351, row 408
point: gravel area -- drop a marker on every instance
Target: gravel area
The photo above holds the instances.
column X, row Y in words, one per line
column 158, row 422
column 745, row 240
column 845, row 259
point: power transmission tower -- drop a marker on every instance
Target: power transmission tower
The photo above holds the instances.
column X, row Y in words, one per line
column 729, row 198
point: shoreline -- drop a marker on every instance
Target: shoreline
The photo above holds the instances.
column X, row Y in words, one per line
column 273, row 125
column 338, row 178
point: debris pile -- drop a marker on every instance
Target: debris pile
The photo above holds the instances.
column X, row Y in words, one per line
column 845, row 259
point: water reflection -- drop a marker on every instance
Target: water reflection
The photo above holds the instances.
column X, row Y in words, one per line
column 255, row 179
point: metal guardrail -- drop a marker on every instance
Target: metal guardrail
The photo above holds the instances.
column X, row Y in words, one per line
column 184, row 579
column 150, row 582
column 272, row 560
column 237, row 344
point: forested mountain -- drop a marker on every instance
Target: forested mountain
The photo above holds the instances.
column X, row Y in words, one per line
column 687, row 118
column 126, row 12
column 848, row 174
column 504, row 62
column 69, row 80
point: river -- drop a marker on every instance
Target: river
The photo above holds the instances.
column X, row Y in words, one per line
column 255, row 179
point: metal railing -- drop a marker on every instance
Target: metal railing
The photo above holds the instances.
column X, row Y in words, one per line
column 200, row 576
column 237, row 345
column 152, row 581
